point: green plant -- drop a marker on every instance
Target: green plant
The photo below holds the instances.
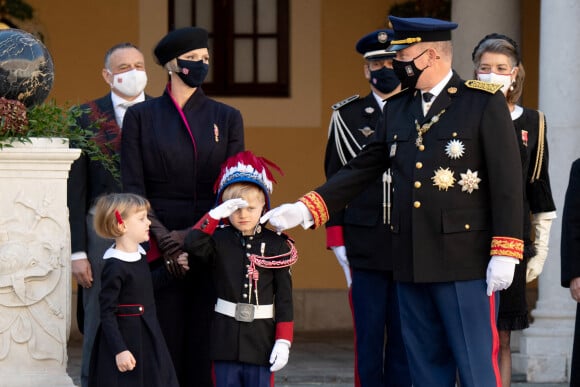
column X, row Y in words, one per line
column 17, row 124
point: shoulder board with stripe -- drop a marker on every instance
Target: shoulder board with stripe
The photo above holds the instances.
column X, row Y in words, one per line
column 485, row 86
column 344, row 102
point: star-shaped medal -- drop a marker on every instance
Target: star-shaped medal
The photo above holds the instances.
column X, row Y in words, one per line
column 454, row 149
column 469, row 181
column 443, row 179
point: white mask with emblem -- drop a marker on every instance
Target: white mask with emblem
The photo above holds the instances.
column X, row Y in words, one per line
column 130, row 83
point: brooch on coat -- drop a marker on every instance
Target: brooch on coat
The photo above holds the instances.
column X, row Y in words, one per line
column 216, row 133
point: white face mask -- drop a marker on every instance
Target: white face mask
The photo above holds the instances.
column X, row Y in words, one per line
column 130, row 83
column 504, row 80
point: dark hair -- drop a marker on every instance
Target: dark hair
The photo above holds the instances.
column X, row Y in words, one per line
column 116, row 47
column 501, row 44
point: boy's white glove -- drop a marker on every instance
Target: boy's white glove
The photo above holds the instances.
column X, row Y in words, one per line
column 280, row 354
column 500, row 273
column 288, row 216
column 227, row 208
column 542, row 230
column 340, row 252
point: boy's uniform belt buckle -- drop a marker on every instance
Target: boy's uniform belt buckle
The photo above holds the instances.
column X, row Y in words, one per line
column 244, row 312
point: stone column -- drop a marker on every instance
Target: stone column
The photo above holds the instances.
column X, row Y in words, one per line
column 545, row 347
column 477, row 19
column 35, row 280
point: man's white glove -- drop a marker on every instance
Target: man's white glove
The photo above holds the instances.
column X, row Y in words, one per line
column 542, row 227
column 288, row 216
column 500, row 273
column 280, row 354
column 340, row 252
column 227, row 208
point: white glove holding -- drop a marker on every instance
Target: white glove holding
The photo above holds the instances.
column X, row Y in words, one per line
column 340, row 252
column 280, row 354
column 500, row 273
column 288, row 216
column 227, row 208
column 542, row 227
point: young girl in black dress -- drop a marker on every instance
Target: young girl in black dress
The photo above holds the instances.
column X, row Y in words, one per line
column 129, row 347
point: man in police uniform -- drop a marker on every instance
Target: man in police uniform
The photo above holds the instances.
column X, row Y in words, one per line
column 359, row 235
column 456, row 210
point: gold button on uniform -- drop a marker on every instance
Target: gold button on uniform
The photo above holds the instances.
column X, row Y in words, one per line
column 467, row 226
column 417, row 204
column 421, row 147
column 417, row 184
column 419, row 165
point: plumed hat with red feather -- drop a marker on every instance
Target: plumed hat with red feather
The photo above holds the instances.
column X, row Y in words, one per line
column 246, row 167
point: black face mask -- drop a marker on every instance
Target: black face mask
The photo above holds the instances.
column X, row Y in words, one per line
column 193, row 72
column 384, row 80
column 407, row 72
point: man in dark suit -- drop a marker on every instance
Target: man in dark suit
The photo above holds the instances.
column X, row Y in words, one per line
column 359, row 235
column 457, row 206
column 124, row 71
column 570, row 256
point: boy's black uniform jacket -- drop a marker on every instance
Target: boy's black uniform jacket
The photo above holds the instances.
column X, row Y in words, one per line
column 227, row 252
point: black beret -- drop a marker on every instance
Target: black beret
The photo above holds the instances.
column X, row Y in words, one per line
column 178, row 42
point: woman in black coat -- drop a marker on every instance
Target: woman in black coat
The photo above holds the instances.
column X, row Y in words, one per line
column 171, row 153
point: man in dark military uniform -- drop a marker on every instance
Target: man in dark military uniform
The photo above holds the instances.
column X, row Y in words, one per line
column 457, row 206
column 359, row 235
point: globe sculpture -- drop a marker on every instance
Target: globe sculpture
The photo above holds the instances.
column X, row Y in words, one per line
column 26, row 67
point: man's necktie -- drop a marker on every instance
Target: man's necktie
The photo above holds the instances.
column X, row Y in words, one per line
column 427, row 99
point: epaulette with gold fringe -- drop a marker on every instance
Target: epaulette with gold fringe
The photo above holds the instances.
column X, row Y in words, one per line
column 491, row 88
